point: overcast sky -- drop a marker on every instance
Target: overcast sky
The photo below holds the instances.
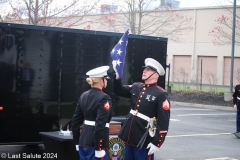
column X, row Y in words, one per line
column 183, row 3
column 205, row 3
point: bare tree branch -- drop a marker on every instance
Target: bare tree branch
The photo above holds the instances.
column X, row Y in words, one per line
column 49, row 12
column 222, row 32
column 237, row 75
column 145, row 18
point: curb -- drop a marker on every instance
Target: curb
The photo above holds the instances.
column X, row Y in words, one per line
column 203, row 106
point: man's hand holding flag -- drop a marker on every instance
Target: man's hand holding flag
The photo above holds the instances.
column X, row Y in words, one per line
column 118, row 54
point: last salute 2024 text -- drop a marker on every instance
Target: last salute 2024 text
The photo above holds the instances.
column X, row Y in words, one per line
column 32, row 156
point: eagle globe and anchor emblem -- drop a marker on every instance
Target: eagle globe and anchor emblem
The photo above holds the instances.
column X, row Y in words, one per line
column 116, row 149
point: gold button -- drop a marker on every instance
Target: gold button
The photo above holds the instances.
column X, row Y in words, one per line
column 141, row 96
column 142, row 92
column 148, row 85
column 139, row 101
column 137, row 105
column 100, row 149
column 144, row 88
column 133, row 93
column 158, row 145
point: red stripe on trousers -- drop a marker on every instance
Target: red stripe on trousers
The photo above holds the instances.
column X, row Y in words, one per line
column 150, row 157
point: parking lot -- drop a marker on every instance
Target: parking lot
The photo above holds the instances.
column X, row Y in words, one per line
column 194, row 134
column 200, row 134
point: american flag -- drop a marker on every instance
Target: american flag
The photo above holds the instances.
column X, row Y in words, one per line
column 118, row 54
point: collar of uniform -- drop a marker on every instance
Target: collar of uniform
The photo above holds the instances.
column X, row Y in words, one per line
column 149, row 85
column 96, row 88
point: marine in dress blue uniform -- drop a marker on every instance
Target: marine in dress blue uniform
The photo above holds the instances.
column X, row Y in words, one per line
column 93, row 113
column 236, row 101
column 148, row 100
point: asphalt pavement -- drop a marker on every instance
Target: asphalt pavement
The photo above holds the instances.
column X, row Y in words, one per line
column 200, row 132
column 196, row 132
column 224, row 108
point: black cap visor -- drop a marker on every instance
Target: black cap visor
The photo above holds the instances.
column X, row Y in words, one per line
column 107, row 77
column 150, row 67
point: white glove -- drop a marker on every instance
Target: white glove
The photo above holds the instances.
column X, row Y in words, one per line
column 235, row 106
column 152, row 148
column 77, row 148
column 100, row 154
column 114, row 63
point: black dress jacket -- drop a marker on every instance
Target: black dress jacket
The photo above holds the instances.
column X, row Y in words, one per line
column 236, row 96
column 150, row 100
column 93, row 105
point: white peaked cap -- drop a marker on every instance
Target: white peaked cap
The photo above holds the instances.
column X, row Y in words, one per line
column 99, row 72
column 154, row 65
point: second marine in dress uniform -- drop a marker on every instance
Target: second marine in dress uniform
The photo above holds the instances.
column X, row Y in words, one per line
column 236, row 101
column 148, row 100
column 93, row 112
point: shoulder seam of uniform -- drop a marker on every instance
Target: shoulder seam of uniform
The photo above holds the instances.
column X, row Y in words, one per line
column 85, row 91
column 103, row 93
column 160, row 88
column 137, row 83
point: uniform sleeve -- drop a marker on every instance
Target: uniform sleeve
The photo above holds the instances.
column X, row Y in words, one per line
column 234, row 96
column 103, row 113
column 121, row 90
column 77, row 121
column 162, row 119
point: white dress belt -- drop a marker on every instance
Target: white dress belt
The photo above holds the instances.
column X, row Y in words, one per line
column 140, row 115
column 92, row 123
column 238, row 98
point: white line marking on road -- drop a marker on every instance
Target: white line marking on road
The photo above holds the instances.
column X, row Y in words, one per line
column 195, row 135
column 174, row 119
column 222, row 158
column 220, row 114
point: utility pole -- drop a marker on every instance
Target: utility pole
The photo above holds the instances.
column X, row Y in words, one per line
column 228, row 96
column 233, row 46
column 29, row 12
